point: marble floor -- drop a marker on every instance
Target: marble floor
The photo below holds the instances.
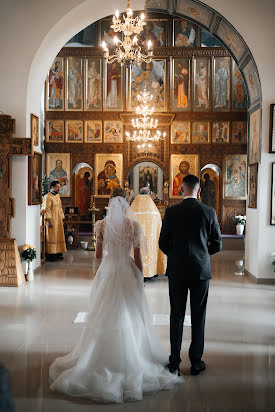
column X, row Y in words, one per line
column 36, row 326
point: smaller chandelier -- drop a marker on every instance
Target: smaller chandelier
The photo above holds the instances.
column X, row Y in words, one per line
column 144, row 123
column 127, row 51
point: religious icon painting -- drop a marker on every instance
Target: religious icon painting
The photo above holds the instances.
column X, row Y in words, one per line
column 185, row 33
column 154, row 30
column 201, row 68
column 253, row 185
column 239, row 98
column 181, row 84
column 108, row 173
column 209, row 183
column 55, row 131
column 220, row 132
column 113, row 132
column 208, row 40
column 93, row 85
column 74, row 84
column 181, row 132
column 58, row 167
column 150, row 77
column 221, row 84
column 148, row 177
column 107, row 34
column 201, row 132
column 252, row 80
column 239, row 133
column 181, row 166
column 93, row 131
column 235, row 177
column 34, row 129
column 113, row 86
column 35, row 179
column 254, row 136
column 74, row 131
column 55, row 85
column 83, row 191
column 231, row 39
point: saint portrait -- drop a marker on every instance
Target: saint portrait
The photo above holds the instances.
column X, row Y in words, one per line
column 201, row 84
column 221, row 84
column 220, row 132
column 253, row 185
column 154, row 30
column 113, row 132
column 149, row 76
column 239, row 99
column 254, row 136
column 55, row 131
column 108, row 173
column 113, row 84
column 185, row 33
column 181, row 84
column 74, row 81
column 148, row 177
column 74, row 131
column 181, row 166
column 93, row 85
column 235, row 176
column 239, row 132
column 35, row 179
column 200, row 132
column 58, row 167
column 84, row 190
column 181, row 132
column 34, row 129
column 93, row 131
column 55, row 85
column 209, row 183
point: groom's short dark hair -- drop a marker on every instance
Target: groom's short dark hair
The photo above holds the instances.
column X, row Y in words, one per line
column 190, row 181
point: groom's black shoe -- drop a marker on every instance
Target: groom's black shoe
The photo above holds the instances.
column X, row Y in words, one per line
column 173, row 369
column 198, row 368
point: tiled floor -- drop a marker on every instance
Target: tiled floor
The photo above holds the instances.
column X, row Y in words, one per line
column 36, row 325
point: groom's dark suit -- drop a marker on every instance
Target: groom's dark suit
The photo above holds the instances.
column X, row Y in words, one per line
column 190, row 234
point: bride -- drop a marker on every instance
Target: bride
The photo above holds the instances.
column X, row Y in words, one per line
column 118, row 357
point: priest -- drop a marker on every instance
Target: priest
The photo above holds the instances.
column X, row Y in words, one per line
column 153, row 260
column 55, row 239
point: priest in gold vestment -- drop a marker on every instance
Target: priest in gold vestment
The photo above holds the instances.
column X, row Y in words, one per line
column 55, row 239
column 153, row 260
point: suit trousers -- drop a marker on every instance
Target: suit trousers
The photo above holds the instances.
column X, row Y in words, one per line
column 178, row 292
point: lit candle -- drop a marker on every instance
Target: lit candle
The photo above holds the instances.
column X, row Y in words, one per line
column 149, row 44
column 117, row 13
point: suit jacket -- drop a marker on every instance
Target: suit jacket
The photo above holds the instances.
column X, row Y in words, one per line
column 190, row 234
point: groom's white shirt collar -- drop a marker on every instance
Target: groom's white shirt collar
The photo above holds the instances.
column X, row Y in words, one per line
column 190, row 197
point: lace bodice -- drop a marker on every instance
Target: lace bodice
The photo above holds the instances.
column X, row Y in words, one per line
column 130, row 236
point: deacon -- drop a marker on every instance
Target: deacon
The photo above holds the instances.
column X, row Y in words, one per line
column 55, row 239
column 153, row 260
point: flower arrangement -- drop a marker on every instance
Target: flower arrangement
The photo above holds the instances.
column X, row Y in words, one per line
column 29, row 252
column 240, row 220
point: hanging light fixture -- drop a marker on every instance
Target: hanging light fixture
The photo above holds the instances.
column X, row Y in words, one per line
column 127, row 51
column 144, row 123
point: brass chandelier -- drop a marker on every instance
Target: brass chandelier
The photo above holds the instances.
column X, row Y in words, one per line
column 144, row 123
column 127, row 51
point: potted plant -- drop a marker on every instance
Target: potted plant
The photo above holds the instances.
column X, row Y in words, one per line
column 29, row 254
column 240, row 224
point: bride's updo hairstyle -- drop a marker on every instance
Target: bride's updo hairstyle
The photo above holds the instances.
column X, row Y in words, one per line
column 119, row 191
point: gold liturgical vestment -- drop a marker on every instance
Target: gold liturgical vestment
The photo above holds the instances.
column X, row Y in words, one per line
column 153, row 260
column 55, row 239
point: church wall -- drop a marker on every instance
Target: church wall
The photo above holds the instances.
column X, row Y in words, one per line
column 32, row 35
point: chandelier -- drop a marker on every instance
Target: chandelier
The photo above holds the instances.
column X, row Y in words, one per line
column 144, row 123
column 127, row 51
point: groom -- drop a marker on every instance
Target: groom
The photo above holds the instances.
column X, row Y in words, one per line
column 190, row 234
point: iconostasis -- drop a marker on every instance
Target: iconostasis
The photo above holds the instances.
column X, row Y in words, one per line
column 200, row 102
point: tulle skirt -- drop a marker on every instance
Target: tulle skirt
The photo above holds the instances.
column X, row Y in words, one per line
column 119, row 356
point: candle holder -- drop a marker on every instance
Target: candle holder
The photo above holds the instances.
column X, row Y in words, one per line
column 93, row 210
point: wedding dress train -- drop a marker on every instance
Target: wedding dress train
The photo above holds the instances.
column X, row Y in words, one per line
column 119, row 356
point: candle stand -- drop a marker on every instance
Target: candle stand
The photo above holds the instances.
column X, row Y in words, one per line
column 93, row 210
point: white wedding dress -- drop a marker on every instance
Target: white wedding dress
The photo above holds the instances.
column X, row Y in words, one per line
column 119, row 356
